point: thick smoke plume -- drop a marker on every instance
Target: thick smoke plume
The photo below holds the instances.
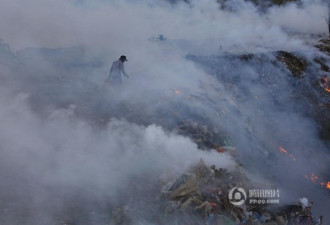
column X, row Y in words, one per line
column 71, row 150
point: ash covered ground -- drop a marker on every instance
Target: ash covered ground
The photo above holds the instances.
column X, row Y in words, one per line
column 230, row 95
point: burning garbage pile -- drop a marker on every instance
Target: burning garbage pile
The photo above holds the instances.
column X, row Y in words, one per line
column 210, row 195
column 324, row 82
column 306, row 81
column 324, row 46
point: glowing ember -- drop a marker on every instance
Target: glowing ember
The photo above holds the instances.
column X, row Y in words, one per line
column 220, row 150
column 283, row 150
column 324, row 80
column 286, row 152
column 328, row 185
column 177, row 91
column 325, row 83
column 314, row 178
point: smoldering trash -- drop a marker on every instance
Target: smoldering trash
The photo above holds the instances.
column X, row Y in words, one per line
column 200, row 196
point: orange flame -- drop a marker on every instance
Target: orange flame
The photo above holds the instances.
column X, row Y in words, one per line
column 315, row 179
column 325, row 84
column 328, row 185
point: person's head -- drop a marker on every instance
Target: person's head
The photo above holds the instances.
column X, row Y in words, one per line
column 123, row 58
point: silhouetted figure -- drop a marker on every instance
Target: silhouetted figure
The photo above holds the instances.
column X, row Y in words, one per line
column 116, row 71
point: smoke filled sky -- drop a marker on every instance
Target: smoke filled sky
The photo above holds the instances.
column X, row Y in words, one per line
column 120, row 25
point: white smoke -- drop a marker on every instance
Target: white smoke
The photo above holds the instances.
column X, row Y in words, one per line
column 121, row 26
column 59, row 154
column 47, row 145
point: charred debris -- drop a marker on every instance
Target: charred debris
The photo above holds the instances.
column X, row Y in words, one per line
column 307, row 75
column 200, row 196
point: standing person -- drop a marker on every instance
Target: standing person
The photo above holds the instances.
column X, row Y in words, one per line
column 116, row 71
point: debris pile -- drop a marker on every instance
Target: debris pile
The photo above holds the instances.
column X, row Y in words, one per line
column 324, row 46
column 202, row 196
column 295, row 64
column 203, row 135
column 204, row 192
